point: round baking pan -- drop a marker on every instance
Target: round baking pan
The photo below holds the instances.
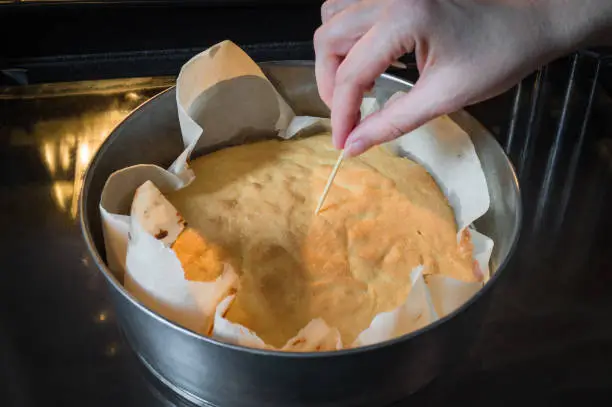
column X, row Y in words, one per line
column 209, row 372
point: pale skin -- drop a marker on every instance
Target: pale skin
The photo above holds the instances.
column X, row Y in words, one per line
column 467, row 51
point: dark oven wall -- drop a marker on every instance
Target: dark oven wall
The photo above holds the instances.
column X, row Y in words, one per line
column 68, row 40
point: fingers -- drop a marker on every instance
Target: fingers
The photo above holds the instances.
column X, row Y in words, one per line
column 334, row 39
column 365, row 62
column 332, row 7
column 326, row 66
column 428, row 99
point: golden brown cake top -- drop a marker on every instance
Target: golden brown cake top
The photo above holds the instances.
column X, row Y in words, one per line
column 383, row 217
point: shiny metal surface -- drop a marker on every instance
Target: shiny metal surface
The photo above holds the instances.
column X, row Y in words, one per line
column 225, row 375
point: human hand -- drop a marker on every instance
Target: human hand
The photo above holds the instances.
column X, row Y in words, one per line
column 466, row 51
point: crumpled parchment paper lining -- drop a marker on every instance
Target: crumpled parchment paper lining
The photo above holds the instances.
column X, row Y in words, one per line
column 209, row 118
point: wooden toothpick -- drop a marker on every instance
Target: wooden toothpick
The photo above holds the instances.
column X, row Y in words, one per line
column 330, row 181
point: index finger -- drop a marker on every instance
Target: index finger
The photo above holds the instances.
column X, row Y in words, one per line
column 365, row 62
column 335, row 38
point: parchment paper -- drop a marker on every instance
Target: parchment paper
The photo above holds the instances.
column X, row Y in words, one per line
column 224, row 98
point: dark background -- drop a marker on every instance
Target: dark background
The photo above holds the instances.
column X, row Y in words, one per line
column 547, row 337
column 75, row 41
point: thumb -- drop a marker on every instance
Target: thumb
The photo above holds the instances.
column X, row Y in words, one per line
column 403, row 113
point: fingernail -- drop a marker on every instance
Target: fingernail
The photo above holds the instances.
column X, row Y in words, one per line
column 355, row 147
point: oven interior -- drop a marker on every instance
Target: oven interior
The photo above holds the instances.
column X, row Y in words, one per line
column 69, row 71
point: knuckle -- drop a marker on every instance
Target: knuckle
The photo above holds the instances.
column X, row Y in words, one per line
column 392, row 130
column 320, row 37
column 351, row 76
column 331, row 37
column 345, row 75
column 332, row 7
column 327, row 10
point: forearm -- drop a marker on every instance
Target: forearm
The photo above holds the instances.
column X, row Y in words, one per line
column 581, row 23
